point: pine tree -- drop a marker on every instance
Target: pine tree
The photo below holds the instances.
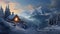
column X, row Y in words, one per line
column 1, row 12
column 7, row 12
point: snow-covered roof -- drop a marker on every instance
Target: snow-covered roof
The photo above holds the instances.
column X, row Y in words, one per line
column 11, row 16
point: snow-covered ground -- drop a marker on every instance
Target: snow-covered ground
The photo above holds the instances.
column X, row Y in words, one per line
column 18, row 30
column 46, row 30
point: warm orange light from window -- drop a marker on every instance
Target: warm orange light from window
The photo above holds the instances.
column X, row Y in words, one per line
column 16, row 19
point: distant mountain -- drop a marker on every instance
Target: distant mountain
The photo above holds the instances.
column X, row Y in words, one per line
column 40, row 14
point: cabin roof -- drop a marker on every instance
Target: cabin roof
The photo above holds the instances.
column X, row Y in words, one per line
column 12, row 17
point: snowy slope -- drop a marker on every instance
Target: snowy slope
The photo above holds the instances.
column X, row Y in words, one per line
column 18, row 30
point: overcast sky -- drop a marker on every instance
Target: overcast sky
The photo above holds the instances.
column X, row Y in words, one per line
column 18, row 6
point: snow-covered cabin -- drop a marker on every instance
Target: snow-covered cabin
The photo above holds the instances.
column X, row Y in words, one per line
column 16, row 18
column 13, row 18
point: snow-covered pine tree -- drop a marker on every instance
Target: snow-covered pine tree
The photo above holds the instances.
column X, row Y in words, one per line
column 7, row 12
column 1, row 12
